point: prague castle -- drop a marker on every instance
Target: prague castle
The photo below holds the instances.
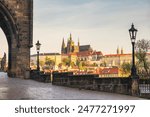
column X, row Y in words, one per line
column 78, row 52
column 71, row 48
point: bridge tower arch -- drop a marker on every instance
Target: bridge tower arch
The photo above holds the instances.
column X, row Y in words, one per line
column 16, row 21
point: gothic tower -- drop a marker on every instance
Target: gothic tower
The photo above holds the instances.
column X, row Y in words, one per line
column 70, row 45
column 78, row 42
column 70, row 37
column 63, row 48
column 122, row 52
column 118, row 50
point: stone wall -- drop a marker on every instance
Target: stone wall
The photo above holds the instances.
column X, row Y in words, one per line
column 112, row 85
column 40, row 76
column 93, row 82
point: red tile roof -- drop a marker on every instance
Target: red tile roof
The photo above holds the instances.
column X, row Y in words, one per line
column 108, row 71
column 97, row 53
column 85, row 53
column 110, row 55
column 89, row 53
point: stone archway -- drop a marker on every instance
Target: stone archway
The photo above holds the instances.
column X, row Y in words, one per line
column 16, row 21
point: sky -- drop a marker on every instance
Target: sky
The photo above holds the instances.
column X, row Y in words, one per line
column 103, row 24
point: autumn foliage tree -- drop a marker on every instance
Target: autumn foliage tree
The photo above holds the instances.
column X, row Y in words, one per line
column 142, row 48
column 126, row 68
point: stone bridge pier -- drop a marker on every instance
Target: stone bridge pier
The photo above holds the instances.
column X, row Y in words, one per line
column 16, row 21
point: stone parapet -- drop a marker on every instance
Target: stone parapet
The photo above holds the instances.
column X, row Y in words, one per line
column 93, row 82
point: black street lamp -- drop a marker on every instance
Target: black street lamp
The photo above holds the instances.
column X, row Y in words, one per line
column 38, row 45
column 133, row 33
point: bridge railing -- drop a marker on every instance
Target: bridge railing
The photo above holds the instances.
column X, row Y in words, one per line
column 144, row 88
column 40, row 76
column 93, row 82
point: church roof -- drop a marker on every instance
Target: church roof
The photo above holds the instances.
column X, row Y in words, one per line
column 85, row 48
column 89, row 53
column 84, row 53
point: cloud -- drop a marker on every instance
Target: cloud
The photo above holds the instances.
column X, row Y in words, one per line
column 95, row 21
column 85, row 14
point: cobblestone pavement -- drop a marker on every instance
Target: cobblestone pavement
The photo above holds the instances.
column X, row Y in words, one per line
column 20, row 89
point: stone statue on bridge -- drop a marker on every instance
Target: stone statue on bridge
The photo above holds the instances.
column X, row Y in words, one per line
column 3, row 63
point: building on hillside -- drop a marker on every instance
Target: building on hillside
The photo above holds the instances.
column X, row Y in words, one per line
column 79, row 52
column 3, row 63
column 116, row 60
column 89, row 56
column 56, row 57
column 110, row 72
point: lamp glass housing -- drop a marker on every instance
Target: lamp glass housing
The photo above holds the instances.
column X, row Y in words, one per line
column 133, row 33
column 38, row 45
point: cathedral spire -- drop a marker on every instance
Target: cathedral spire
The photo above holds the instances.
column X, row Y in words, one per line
column 63, row 43
column 78, row 42
column 70, row 36
column 122, row 52
column 118, row 50
column 63, row 46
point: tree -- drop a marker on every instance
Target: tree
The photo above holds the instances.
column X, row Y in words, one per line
column 32, row 63
column 72, row 64
column 142, row 47
column 49, row 62
column 95, row 65
column 81, row 64
column 126, row 68
column 78, row 62
column 103, row 64
column 84, row 64
column 66, row 61
column 42, row 63
column 60, row 65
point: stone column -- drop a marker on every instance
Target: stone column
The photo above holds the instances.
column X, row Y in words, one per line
column 135, row 86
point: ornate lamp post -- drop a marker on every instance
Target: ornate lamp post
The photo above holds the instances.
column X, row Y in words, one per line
column 38, row 45
column 133, row 33
column 134, row 76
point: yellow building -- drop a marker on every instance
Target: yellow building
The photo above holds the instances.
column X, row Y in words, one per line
column 56, row 57
column 117, row 59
